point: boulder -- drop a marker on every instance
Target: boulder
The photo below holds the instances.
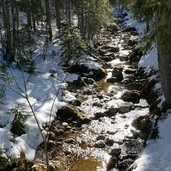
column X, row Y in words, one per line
column 84, row 70
column 131, row 96
column 69, row 113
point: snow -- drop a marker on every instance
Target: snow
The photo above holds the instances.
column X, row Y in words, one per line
column 149, row 60
column 44, row 94
column 157, row 154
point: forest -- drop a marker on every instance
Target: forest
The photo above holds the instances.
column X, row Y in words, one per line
column 85, row 85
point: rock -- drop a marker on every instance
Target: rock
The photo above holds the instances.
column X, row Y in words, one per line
column 135, row 55
column 112, row 80
column 110, row 48
column 98, row 104
column 100, row 137
column 65, row 124
column 113, row 27
column 77, row 102
column 107, row 58
column 130, row 71
column 109, row 141
column 99, row 115
column 84, row 70
column 111, row 132
column 130, row 29
column 69, row 114
column 112, row 163
column 69, row 140
column 124, row 107
column 88, row 80
column 132, row 42
column 123, row 58
column 99, row 74
column 111, row 111
column 123, row 165
column 117, row 72
column 100, row 144
column 87, row 91
column 131, row 96
column 59, row 132
column 144, row 124
column 115, row 152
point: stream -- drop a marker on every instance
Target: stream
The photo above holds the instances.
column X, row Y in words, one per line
column 113, row 139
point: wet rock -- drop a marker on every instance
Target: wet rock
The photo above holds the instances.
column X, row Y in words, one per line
column 112, row 80
column 69, row 140
column 109, row 141
column 131, row 96
column 69, row 113
column 117, row 73
column 99, row 115
column 100, row 144
column 111, row 111
column 115, row 152
column 130, row 71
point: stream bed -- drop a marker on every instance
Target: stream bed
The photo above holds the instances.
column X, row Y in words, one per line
column 118, row 113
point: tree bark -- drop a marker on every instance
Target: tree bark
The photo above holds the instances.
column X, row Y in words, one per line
column 164, row 51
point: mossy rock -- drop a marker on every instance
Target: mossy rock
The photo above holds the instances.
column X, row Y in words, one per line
column 70, row 113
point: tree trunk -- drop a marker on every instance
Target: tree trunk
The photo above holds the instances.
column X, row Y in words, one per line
column 164, row 51
column 58, row 14
column 48, row 19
